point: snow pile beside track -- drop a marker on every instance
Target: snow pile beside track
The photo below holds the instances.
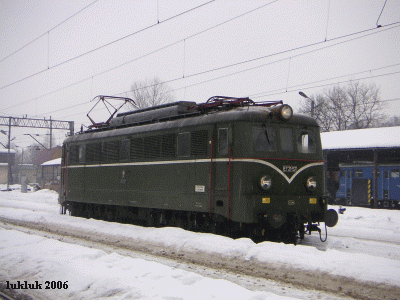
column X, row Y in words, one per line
column 71, row 262
column 87, row 273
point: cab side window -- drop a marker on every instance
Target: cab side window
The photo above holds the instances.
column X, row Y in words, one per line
column 305, row 141
column 184, row 144
column 223, row 141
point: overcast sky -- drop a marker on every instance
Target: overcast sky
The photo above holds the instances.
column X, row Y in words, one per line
column 57, row 55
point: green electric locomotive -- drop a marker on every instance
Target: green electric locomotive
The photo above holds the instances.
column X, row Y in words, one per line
column 229, row 166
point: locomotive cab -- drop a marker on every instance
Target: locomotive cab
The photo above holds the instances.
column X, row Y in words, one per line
column 276, row 173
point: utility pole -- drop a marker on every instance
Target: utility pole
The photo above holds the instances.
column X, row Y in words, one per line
column 8, row 155
column 51, row 133
column 312, row 103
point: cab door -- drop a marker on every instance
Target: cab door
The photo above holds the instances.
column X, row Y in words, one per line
column 222, row 169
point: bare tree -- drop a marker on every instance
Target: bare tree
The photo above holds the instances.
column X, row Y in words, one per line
column 352, row 107
column 149, row 93
column 393, row 121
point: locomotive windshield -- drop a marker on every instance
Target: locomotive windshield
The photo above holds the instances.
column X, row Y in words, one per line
column 264, row 138
column 285, row 139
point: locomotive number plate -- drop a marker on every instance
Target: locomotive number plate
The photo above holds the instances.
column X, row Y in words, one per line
column 289, row 168
column 199, row 188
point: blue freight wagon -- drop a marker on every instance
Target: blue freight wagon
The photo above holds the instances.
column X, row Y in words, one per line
column 357, row 185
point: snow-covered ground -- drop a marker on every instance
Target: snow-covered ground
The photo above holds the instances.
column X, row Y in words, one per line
column 78, row 272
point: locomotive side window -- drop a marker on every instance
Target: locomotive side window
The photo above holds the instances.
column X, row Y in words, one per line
column 264, row 139
column 149, row 147
column 136, row 149
column 184, row 144
column 305, row 141
column 286, row 139
column 73, row 154
column 82, row 150
column 145, row 148
column 358, row 173
column 111, row 151
column 124, row 150
column 223, row 141
column 395, row 173
column 198, row 146
column 168, row 145
column 93, row 152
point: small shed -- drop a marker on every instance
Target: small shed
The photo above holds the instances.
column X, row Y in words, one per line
column 51, row 174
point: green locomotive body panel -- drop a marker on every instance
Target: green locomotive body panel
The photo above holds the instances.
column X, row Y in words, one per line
column 209, row 163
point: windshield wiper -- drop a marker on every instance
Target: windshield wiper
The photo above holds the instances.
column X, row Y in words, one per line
column 266, row 133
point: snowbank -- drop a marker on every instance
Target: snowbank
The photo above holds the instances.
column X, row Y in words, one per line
column 94, row 273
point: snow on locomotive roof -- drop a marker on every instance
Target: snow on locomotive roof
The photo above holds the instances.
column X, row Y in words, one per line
column 383, row 137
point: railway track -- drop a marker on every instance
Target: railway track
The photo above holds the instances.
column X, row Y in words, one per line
column 11, row 295
column 5, row 296
column 353, row 244
column 337, row 286
column 367, row 239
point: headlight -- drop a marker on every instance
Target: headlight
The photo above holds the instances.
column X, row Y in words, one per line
column 266, row 182
column 285, row 112
column 311, row 183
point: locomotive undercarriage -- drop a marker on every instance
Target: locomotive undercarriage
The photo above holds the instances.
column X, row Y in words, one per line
column 290, row 231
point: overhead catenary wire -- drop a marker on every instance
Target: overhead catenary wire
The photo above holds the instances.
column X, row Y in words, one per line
column 47, row 32
column 288, row 88
column 296, row 88
column 140, row 57
column 275, row 54
column 374, row 31
column 185, row 75
column 304, row 86
column 105, row 45
column 279, row 53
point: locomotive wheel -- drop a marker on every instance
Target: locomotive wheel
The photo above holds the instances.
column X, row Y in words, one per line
column 289, row 235
column 109, row 214
column 89, row 211
column 72, row 209
column 256, row 233
column 199, row 222
column 150, row 219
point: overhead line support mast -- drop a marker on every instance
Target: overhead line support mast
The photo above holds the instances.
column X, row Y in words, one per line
column 33, row 123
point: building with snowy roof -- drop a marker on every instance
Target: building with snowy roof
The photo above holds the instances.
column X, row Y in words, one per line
column 379, row 145
column 376, row 147
column 7, row 159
